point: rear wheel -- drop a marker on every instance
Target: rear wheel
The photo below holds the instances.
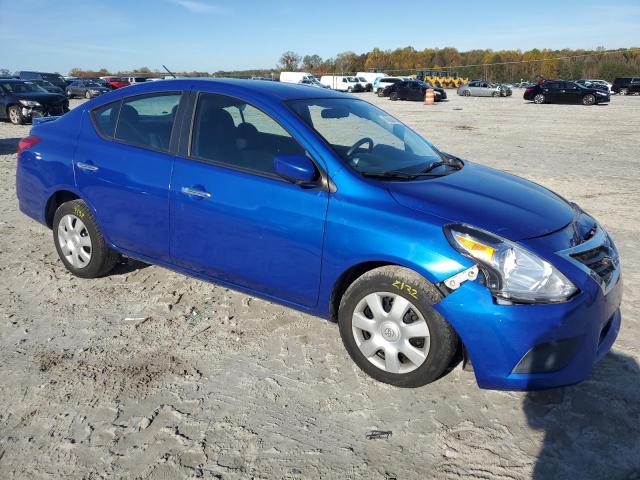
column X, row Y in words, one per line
column 350, row 89
column 79, row 242
column 69, row 94
column 391, row 331
column 539, row 98
column 15, row 115
column 624, row 91
column 87, row 95
column 588, row 99
column 467, row 93
column 393, row 96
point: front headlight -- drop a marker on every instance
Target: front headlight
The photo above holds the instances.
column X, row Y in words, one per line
column 512, row 272
column 29, row 103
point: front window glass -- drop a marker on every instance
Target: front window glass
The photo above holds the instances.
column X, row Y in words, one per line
column 365, row 137
column 232, row 132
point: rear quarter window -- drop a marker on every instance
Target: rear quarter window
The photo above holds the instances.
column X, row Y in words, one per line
column 105, row 118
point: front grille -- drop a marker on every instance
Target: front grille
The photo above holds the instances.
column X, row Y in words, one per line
column 599, row 256
column 600, row 260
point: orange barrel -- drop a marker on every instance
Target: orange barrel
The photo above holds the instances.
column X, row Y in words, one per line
column 429, row 97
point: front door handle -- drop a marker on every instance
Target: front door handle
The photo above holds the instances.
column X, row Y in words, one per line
column 194, row 192
column 86, row 166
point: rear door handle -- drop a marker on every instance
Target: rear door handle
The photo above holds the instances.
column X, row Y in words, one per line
column 86, row 166
column 194, row 192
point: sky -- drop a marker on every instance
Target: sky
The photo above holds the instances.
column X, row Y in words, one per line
column 211, row 35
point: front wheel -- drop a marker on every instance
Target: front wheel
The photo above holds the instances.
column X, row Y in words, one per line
column 624, row 91
column 495, row 94
column 79, row 242
column 87, row 95
column 588, row 99
column 15, row 115
column 391, row 331
column 467, row 93
column 393, row 96
column 539, row 99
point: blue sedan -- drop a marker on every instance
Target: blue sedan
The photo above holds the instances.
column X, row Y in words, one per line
column 327, row 204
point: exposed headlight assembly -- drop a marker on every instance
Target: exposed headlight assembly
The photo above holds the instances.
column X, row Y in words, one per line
column 512, row 273
column 29, row 103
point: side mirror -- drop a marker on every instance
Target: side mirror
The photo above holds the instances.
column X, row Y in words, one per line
column 298, row 169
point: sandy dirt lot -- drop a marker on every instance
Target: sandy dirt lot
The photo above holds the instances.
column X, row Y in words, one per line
column 150, row 374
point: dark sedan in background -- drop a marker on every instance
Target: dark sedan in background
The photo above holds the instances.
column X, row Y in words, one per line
column 86, row 88
column 562, row 91
column 413, row 90
column 22, row 101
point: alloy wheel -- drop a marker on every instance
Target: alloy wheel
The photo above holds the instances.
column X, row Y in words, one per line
column 589, row 100
column 390, row 332
column 539, row 98
column 74, row 241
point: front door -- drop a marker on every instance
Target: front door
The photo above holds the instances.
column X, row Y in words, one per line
column 123, row 169
column 232, row 218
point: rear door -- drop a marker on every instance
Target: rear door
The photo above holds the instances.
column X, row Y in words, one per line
column 123, row 167
column 232, row 217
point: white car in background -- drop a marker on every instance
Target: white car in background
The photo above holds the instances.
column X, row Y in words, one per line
column 301, row 78
column 341, row 83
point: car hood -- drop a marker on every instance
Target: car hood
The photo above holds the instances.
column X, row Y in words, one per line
column 44, row 98
column 489, row 199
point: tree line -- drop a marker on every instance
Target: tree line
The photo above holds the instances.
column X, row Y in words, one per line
column 493, row 65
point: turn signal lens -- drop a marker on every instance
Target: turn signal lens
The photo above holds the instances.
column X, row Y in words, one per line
column 476, row 249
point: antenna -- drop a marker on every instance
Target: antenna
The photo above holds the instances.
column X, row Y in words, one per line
column 170, row 72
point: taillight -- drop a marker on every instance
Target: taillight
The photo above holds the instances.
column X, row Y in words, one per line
column 28, row 142
column 529, row 90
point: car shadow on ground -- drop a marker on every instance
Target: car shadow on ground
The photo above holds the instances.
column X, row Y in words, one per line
column 126, row 266
column 591, row 430
column 9, row 146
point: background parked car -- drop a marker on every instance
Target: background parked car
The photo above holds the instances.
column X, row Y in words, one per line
column 48, row 86
column 626, row 85
column 413, row 90
column 341, row 83
column 370, row 77
column 562, row 91
column 479, row 88
column 86, row 89
column 134, row 80
column 116, row 82
column 381, row 83
column 54, row 78
column 368, row 86
column 21, row 101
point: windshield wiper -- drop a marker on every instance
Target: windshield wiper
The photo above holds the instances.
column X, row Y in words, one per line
column 411, row 176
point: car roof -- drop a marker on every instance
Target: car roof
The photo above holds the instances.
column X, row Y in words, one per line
column 273, row 90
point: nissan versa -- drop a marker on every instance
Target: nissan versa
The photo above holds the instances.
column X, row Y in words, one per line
column 325, row 203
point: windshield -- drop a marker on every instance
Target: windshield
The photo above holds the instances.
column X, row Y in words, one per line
column 22, row 87
column 368, row 139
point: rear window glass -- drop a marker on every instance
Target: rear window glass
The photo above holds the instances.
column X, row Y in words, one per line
column 105, row 118
column 148, row 121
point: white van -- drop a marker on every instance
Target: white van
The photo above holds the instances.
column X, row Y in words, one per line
column 303, row 78
column 341, row 83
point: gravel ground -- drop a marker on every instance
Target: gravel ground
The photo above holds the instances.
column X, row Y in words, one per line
column 150, row 374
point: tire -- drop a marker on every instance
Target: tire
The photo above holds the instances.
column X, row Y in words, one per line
column 79, row 242
column 415, row 328
column 69, row 94
column 87, row 95
column 624, row 91
column 15, row 115
column 380, row 92
column 495, row 94
column 467, row 93
column 393, row 96
column 539, row 99
column 350, row 89
column 589, row 99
